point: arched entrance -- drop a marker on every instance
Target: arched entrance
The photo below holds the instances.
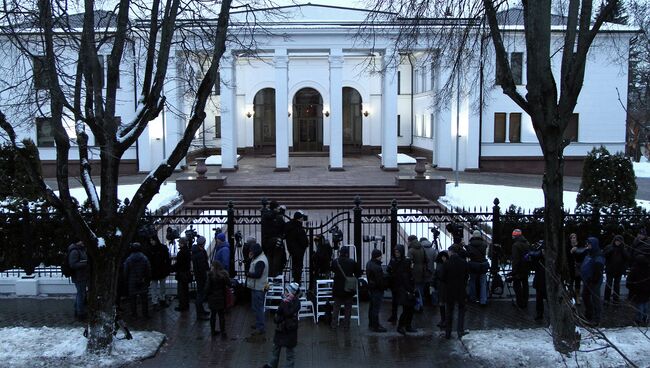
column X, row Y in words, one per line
column 264, row 120
column 307, row 120
column 352, row 105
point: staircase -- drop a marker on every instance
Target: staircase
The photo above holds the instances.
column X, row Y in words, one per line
column 309, row 197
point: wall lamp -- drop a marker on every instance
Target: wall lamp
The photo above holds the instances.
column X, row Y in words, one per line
column 366, row 113
column 249, row 114
column 289, row 114
column 326, row 113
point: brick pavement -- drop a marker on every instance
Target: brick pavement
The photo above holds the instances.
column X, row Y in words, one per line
column 189, row 343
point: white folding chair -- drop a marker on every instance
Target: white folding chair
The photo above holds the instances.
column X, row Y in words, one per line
column 274, row 294
column 306, row 309
column 323, row 296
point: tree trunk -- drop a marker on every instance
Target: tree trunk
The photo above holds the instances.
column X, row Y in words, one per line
column 102, row 291
column 565, row 338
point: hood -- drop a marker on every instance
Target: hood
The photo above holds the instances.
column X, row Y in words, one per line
column 425, row 243
column 415, row 244
column 221, row 237
column 619, row 238
column 345, row 251
column 256, row 249
column 595, row 245
column 402, row 253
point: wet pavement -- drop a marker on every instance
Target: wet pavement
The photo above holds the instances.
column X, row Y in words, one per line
column 189, row 343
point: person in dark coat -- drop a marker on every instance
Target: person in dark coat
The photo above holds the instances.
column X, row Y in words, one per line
column 200, row 267
column 286, row 331
column 78, row 262
column 137, row 273
column 536, row 259
column 616, row 260
column 578, row 253
column 638, row 283
column 440, row 288
column 343, row 267
column 323, row 257
column 376, row 287
column 431, row 253
column 520, row 268
column 272, row 235
column 158, row 256
column 641, row 245
column 478, row 267
column 182, row 268
column 454, row 275
column 222, row 252
column 297, row 243
column 418, row 257
column 215, row 292
column 591, row 272
column 404, row 289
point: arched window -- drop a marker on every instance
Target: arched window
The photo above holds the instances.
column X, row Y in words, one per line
column 352, row 118
column 264, row 118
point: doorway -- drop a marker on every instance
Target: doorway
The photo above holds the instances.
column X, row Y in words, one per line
column 307, row 121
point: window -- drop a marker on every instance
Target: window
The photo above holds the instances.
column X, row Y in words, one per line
column 44, row 132
column 571, row 132
column 399, row 83
column 423, row 75
column 399, row 125
column 499, row 127
column 217, row 85
column 104, row 61
column 516, row 67
column 41, row 79
column 431, row 128
column 514, row 128
column 416, row 80
column 217, row 126
column 433, row 76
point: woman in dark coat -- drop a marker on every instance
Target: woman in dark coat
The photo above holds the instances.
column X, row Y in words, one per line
column 215, row 292
column 439, row 286
column 616, row 260
column 286, row 331
column 405, row 290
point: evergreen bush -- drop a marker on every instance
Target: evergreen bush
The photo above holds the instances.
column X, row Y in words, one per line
column 607, row 179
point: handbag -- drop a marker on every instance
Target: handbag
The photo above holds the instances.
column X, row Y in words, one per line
column 350, row 284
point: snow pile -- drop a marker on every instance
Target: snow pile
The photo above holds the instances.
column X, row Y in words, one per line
column 29, row 347
column 165, row 196
column 216, row 160
column 403, row 159
column 642, row 169
column 534, row 348
column 482, row 195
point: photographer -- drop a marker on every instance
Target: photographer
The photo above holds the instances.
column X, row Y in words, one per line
column 478, row 267
column 297, row 243
column 536, row 259
column 520, row 268
column 272, row 235
column 183, row 275
column 323, row 257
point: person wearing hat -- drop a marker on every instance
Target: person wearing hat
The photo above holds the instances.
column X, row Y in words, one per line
column 158, row 255
column 297, row 243
column 641, row 245
column 478, row 267
column 78, row 262
column 376, row 287
column 343, row 268
column 616, row 260
column 200, row 266
column 272, row 234
column 419, row 264
column 286, row 331
column 137, row 273
column 520, row 268
column 454, row 275
column 256, row 281
column 182, row 267
column 591, row 273
column 222, row 251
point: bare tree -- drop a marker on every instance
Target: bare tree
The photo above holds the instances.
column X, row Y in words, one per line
column 91, row 101
column 549, row 99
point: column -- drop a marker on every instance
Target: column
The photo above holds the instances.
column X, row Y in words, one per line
column 389, row 114
column 336, row 110
column 228, row 115
column 281, row 61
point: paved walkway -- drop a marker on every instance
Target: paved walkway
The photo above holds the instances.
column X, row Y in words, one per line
column 189, row 343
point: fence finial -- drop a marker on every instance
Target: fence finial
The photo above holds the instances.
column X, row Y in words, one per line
column 357, row 201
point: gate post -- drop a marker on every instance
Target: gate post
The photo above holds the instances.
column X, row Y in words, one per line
column 231, row 236
column 312, row 267
column 393, row 225
column 496, row 230
column 357, row 226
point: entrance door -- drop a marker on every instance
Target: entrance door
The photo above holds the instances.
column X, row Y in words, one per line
column 264, row 120
column 307, row 121
column 352, row 119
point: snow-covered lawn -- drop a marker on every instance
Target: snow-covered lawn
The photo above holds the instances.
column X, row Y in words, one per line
column 482, row 195
column 165, row 196
column 534, row 348
column 642, row 169
column 65, row 347
column 403, row 159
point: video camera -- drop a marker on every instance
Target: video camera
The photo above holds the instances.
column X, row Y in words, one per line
column 238, row 238
column 374, row 238
column 456, row 230
column 337, row 234
column 191, row 234
column 435, row 231
column 172, row 234
column 217, row 231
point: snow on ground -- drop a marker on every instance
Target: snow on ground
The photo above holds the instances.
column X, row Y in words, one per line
column 482, row 195
column 422, row 230
column 65, row 347
column 215, row 160
column 642, row 169
column 403, row 159
column 165, row 196
column 534, row 348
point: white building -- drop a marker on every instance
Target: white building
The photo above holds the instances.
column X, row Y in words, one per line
column 314, row 86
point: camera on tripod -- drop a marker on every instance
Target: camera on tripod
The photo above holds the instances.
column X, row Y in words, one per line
column 456, row 231
column 374, row 238
column 172, row 234
column 191, row 234
column 238, row 238
column 435, row 231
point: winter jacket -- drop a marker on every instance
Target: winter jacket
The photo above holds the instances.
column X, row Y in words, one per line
column 536, row 258
column 183, row 264
column 158, row 256
column 403, row 287
column 591, row 270
column 296, row 237
column 638, row 281
column 418, row 256
column 286, row 321
column 454, row 275
column 640, row 247
column 222, row 254
column 137, row 273
column 200, row 263
column 476, row 250
column 438, row 284
column 520, row 267
column 431, row 254
column 258, row 271
column 215, row 290
column 272, row 224
column 375, row 274
column 78, row 261
column 350, row 268
column 616, row 257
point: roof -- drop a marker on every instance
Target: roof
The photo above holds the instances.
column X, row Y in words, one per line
column 515, row 17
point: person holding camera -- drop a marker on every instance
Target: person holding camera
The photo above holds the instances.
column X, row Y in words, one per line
column 286, row 331
column 520, row 268
column 200, row 266
column 182, row 268
column 158, row 256
column 297, row 243
column 272, row 235
column 478, row 268
column 376, row 287
column 346, row 272
column 137, row 273
column 454, row 275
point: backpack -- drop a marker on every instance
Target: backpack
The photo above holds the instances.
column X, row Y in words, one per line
column 66, row 270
